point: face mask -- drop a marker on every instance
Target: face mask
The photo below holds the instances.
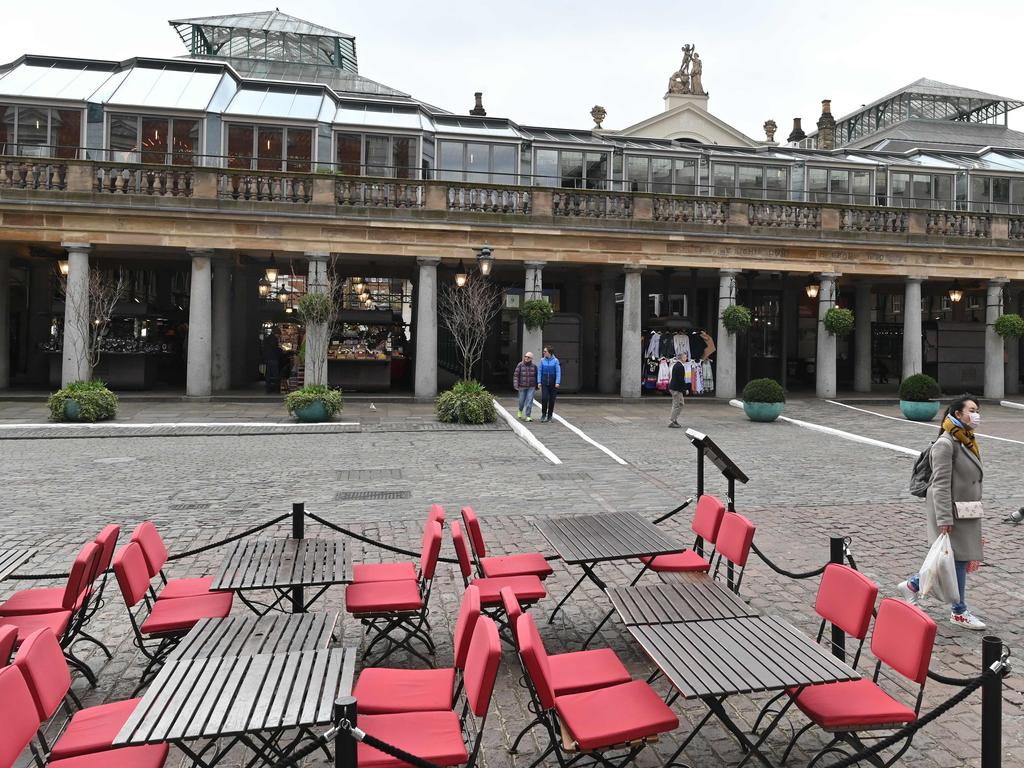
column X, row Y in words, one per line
column 974, row 418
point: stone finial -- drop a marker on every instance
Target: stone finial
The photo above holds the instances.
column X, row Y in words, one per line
column 770, row 127
column 797, row 134
column 478, row 109
column 826, row 126
column 599, row 113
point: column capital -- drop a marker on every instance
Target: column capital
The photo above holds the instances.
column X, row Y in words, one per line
column 833, row 276
column 199, row 252
column 730, row 271
column 535, row 264
column 633, row 269
column 915, row 278
column 317, row 255
column 79, row 247
column 998, row 281
column 428, row 261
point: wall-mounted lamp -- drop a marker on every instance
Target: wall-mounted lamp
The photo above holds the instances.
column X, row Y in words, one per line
column 461, row 276
column 485, row 260
column 956, row 293
column 63, row 267
column 271, row 273
column 811, row 289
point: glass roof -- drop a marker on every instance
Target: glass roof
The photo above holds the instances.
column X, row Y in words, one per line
column 364, row 115
column 53, row 81
column 168, row 88
column 482, row 128
column 290, row 103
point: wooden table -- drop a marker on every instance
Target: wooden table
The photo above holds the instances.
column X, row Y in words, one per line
column 252, row 699
column 13, row 558
column 254, row 635
column 679, row 598
column 714, row 659
column 285, row 566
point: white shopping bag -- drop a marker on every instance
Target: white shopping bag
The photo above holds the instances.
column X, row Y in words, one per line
column 938, row 572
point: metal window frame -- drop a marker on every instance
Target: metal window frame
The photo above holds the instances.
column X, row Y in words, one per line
column 464, row 142
column 416, row 136
column 49, row 107
column 170, row 117
column 285, row 127
column 582, row 149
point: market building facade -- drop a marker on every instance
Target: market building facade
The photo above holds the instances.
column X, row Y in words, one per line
column 215, row 185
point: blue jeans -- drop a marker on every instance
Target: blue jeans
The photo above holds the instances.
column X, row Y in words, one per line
column 526, row 400
column 961, row 582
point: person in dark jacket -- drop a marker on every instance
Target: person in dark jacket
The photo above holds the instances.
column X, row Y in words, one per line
column 272, row 361
column 677, row 388
column 524, row 380
column 550, row 373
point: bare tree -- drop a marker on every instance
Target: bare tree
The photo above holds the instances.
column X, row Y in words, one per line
column 106, row 289
column 468, row 312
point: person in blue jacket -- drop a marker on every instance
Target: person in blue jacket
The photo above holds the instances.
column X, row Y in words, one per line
column 550, row 375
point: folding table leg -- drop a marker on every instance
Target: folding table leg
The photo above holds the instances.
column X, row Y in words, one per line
column 756, row 748
column 719, row 711
column 561, row 602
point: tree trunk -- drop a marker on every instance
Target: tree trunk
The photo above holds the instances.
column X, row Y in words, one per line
column 317, row 339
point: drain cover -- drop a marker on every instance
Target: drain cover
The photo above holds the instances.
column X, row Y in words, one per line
column 190, row 506
column 369, row 474
column 114, row 460
column 565, row 476
column 371, row 495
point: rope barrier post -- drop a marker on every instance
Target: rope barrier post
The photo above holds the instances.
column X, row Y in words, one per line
column 991, row 705
column 346, row 754
column 837, row 554
column 298, row 532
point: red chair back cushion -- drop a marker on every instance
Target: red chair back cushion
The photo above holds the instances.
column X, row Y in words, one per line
column 107, row 539
column 431, row 550
column 153, row 549
column 707, row 519
column 903, row 638
column 535, row 657
column 476, row 537
column 469, row 612
column 482, row 665
column 436, row 513
column 83, row 573
column 42, row 664
column 132, row 574
column 8, row 635
column 513, row 610
column 18, row 715
column 461, row 551
column 734, row 538
column 846, row 598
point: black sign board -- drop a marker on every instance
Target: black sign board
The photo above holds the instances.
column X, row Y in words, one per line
column 709, row 449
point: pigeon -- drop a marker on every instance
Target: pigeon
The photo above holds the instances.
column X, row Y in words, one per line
column 373, row 407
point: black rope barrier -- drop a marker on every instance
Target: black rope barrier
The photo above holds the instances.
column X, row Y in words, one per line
column 783, row 571
column 373, row 542
column 320, row 741
column 390, row 749
column 961, row 682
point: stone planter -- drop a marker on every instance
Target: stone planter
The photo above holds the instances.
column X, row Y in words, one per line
column 314, row 412
column 72, row 410
column 763, row 411
column 916, row 410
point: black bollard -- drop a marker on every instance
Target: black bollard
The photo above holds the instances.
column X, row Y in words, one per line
column 346, row 754
column 991, row 705
column 298, row 532
column 837, row 554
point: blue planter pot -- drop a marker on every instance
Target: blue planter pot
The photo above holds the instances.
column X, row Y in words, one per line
column 763, row 411
column 919, row 411
column 315, row 411
column 72, row 410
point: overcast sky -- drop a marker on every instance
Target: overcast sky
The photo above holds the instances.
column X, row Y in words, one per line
column 548, row 63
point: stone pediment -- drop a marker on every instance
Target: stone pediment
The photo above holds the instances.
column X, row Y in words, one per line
column 689, row 120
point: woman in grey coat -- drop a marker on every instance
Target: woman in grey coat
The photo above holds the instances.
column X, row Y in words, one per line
column 956, row 477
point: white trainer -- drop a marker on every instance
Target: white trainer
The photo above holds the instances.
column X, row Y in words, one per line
column 967, row 620
column 908, row 594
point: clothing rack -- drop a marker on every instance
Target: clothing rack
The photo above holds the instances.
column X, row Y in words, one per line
column 659, row 345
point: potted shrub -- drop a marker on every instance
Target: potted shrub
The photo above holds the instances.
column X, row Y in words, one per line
column 919, row 397
column 536, row 313
column 763, row 400
column 83, row 401
column 466, row 403
column 1009, row 326
column 314, row 402
column 839, row 321
column 736, row 319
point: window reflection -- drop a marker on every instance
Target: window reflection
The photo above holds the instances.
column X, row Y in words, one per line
column 269, row 145
column 154, row 140
column 374, row 154
column 477, row 162
column 572, row 169
column 300, row 150
column 184, row 141
column 240, row 139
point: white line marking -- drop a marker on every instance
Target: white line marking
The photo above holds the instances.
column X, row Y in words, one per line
column 925, row 424
column 133, row 425
column 580, row 433
column 1010, row 404
column 526, row 435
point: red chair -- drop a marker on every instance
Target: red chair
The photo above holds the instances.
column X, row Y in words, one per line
column 8, row 636
column 155, row 553
column 625, row 716
column 735, row 536
column 707, row 519
column 21, row 721
column 528, row 563
column 37, row 600
column 902, row 639
column 385, row 607
column 438, row 736
column 166, row 621
column 380, row 690
column 396, row 571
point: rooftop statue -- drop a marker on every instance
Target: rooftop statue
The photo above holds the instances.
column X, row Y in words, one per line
column 687, row 80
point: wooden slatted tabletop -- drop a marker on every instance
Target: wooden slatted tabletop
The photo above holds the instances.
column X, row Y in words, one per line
column 606, row 536
column 253, row 635
column 682, row 597
column 279, row 563
column 741, row 655
column 215, row 696
column 12, row 558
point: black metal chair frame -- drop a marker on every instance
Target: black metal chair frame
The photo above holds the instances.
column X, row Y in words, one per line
column 157, row 652
column 412, row 622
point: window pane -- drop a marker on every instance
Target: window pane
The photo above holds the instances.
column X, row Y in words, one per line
column 981, row 192
column 839, row 186
column 503, row 164
column 922, row 190
column 1000, row 194
column 376, row 153
column 403, row 157
column 944, row 191
column 300, row 149
column 240, row 146
column 350, row 150
column 269, row 148
column 725, row 180
column 862, row 187
column 571, row 169
column 637, row 170
column 545, row 167
column 776, row 183
column 1016, row 195
column 751, row 180
column 67, row 131
column 154, row 140
column 661, row 175
column 686, row 177
column 817, row 185
column 124, row 138
column 7, row 115
column 596, row 170
column 900, row 189
column 184, row 141
column 478, row 161
column 32, row 130
column 450, row 164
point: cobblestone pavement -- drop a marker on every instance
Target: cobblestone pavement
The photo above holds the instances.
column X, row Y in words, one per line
column 804, row 487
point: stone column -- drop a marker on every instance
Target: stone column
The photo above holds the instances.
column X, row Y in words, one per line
column 316, row 333
column 426, row 329
column 725, row 344
column 199, row 370
column 912, row 348
column 862, row 339
column 533, row 339
column 825, row 360
column 5, row 309
column 1013, row 347
column 632, row 317
column 606, row 334
column 994, row 346
column 222, row 276
column 588, row 327
column 75, row 365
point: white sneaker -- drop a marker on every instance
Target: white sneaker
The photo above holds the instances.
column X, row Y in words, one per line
column 967, row 620
column 906, row 593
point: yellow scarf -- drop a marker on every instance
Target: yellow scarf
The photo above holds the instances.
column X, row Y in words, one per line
column 965, row 436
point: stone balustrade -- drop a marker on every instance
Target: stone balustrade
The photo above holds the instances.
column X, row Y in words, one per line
column 689, row 210
column 1015, row 228
column 489, row 199
column 18, row 173
column 869, row 219
column 161, row 181
column 593, row 204
column 959, row 224
column 791, row 215
column 266, row 187
column 379, row 193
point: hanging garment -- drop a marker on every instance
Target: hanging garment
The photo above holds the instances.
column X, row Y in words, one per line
column 664, row 374
column 653, row 345
column 651, row 373
column 709, row 376
column 667, row 347
column 681, row 345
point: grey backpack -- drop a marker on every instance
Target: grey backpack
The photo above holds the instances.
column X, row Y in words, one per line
column 921, row 475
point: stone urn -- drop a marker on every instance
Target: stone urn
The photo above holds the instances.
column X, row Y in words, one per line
column 764, row 412
column 919, row 410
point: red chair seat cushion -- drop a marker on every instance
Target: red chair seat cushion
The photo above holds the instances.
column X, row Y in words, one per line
column 177, row 588
column 686, row 561
column 148, row 756
column 528, row 589
column 381, row 691
column 181, row 614
column 26, row 625
column 586, row 670
column 615, row 715
column 524, row 564
column 383, row 572
column 41, row 600
column 852, row 705
column 434, row 736
column 383, row 597
column 93, row 729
